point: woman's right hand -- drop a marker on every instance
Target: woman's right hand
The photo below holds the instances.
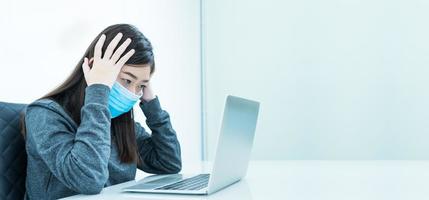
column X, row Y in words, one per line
column 105, row 70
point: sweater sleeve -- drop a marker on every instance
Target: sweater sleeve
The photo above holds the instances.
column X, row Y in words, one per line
column 160, row 151
column 76, row 157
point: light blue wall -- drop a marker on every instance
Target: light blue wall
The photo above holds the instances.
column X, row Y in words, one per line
column 336, row 79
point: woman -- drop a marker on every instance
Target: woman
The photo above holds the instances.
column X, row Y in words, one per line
column 82, row 137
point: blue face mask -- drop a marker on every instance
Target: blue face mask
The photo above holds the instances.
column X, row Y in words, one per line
column 121, row 100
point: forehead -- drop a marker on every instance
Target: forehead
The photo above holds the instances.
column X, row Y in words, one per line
column 140, row 71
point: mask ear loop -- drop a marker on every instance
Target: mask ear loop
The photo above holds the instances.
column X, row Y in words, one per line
column 141, row 94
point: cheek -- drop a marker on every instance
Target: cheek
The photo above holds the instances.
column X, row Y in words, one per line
column 136, row 89
column 139, row 91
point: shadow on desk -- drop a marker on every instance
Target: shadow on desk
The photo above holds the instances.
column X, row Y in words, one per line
column 237, row 191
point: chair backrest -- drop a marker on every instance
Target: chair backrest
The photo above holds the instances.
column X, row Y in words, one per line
column 13, row 157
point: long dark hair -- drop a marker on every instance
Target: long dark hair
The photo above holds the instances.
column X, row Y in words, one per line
column 71, row 93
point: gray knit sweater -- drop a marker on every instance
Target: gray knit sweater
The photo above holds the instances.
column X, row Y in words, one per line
column 66, row 159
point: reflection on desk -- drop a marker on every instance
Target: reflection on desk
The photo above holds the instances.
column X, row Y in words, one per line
column 267, row 180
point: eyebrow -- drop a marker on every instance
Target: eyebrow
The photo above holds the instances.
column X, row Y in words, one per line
column 134, row 76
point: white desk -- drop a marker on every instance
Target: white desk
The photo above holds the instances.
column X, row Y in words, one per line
column 331, row 180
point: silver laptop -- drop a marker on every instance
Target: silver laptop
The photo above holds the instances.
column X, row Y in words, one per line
column 231, row 160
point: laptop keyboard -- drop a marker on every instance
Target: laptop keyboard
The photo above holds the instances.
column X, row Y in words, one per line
column 193, row 183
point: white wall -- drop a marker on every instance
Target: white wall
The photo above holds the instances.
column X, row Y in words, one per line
column 336, row 79
column 42, row 41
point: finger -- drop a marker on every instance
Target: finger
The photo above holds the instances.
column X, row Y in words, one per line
column 85, row 67
column 90, row 62
column 125, row 58
column 112, row 46
column 98, row 46
column 120, row 50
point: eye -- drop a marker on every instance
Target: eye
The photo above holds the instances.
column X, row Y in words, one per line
column 142, row 86
column 126, row 81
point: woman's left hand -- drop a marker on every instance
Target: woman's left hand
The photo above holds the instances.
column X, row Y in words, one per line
column 148, row 93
